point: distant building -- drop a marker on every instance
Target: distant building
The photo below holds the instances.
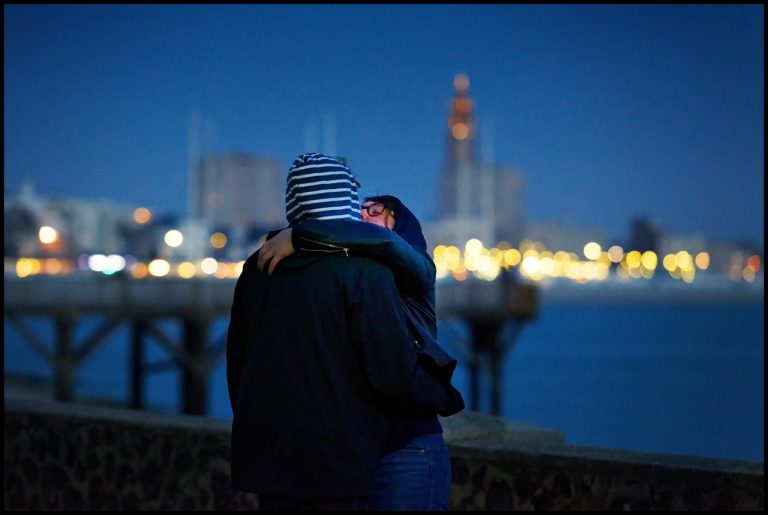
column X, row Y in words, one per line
column 476, row 199
column 83, row 226
column 644, row 235
column 238, row 191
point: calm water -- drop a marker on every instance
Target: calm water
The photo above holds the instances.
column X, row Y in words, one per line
column 662, row 378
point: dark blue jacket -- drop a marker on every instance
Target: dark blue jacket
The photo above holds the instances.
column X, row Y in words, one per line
column 404, row 250
column 319, row 365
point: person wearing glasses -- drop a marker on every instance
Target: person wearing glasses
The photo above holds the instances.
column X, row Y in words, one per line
column 320, row 365
column 404, row 478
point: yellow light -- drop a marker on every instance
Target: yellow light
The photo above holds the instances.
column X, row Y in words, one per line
column 441, row 270
column 531, row 265
column 573, row 270
column 634, row 259
column 592, row 250
column 530, row 253
column 142, row 215
column 460, row 130
column 688, row 274
column 562, row 256
column 497, row 255
column 589, row 271
column 748, row 274
column 173, row 238
column 547, row 265
column 615, row 253
column 24, row 267
column 683, row 260
column 488, row 269
column 512, row 257
column 48, row 234
column 159, row 267
column 237, row 270
column 604, row 259
column 186, row 270
column 471, row 262
column 649, row 260
column 669, row 262
column 218, row 240
column 439, row 252
column 209, row 265
column 452, row 257
column 473, row 247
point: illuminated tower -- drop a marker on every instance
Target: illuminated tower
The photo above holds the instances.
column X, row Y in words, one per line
column 478, row 198
column 461, row 125
column 456, row 179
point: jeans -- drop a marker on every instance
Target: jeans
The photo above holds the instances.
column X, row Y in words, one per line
column 414, row 477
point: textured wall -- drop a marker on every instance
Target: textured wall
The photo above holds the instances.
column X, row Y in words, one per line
column 497, row 475
column 63, row 456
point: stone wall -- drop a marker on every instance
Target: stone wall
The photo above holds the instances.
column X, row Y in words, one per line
column 69, row 456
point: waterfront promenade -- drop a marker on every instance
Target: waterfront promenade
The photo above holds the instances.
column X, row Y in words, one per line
column 63, row 456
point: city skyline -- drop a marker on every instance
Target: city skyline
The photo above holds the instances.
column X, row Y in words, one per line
column 608, row 112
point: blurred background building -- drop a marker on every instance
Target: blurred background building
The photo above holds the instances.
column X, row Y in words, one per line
column 235, row 198
column 238, row 190
column 477, row 198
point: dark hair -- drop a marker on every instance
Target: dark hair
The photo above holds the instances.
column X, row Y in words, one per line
column 386, row 200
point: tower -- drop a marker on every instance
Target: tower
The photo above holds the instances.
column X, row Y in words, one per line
column 478, row 198
column 460, row 158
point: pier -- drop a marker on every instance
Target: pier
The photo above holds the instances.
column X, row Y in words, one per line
column 196, row 303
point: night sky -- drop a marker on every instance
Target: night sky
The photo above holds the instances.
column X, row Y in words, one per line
column 608, row 112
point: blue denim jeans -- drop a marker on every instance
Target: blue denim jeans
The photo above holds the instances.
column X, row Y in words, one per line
column 414, row 477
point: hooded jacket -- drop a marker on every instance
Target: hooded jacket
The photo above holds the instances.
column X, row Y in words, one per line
column 320, row 371
column 404, row 250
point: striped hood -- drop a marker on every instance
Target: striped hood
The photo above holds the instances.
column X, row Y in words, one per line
column 321, row 188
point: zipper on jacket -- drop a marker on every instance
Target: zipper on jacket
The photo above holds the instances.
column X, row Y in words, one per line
column 333, row 248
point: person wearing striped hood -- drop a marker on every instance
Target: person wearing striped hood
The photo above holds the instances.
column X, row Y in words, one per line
column 320, row 365
column 393, row 236
column 320, row 188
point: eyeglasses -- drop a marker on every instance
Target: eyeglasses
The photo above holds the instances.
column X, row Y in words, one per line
column 374, row 209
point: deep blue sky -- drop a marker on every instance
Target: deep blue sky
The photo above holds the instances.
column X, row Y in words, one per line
column 608, row 112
